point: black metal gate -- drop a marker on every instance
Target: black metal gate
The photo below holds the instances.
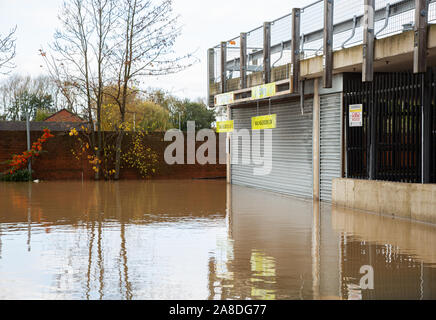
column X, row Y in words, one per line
column 388, row 145
column 433, row 135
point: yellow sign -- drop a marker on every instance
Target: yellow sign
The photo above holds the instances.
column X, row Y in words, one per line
column 224, row 99
column 264, row 122
column 263, row 91
column 224, row 126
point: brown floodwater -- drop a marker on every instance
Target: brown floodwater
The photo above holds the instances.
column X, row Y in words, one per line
column 201, row 240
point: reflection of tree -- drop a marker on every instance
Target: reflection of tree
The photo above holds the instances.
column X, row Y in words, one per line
column 123, row 248
column 100, row 264
column 74, row 200
column 91, row 236
column 87, row 258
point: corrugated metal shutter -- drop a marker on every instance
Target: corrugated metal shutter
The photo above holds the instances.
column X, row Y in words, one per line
column 330, row 142
column 291, row 149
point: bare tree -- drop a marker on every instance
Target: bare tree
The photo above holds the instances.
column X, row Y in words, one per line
column 80, row 60
column 67, row 92
column 146, row 37
column 15, row 88
column 7, row 51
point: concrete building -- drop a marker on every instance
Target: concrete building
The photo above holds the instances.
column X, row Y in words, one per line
column 352, row 87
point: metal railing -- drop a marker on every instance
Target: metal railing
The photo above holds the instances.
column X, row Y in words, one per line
column 391, row 17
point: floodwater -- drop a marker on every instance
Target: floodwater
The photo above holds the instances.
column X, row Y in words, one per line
column 201, row 240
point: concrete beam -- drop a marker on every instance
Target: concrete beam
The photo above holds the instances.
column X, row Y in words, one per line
column 398, row 48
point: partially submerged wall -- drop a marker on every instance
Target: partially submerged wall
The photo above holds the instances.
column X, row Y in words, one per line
column 58, row 163
column 406, row 200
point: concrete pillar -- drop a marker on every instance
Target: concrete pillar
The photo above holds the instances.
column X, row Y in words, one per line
column 316, row 140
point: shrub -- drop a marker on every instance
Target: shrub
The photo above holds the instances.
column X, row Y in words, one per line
column 18, row 176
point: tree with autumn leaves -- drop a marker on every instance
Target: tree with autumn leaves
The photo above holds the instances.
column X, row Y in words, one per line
column 20, row 161
column 112, row 44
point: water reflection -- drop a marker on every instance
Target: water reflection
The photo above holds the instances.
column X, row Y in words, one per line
column 201, row 240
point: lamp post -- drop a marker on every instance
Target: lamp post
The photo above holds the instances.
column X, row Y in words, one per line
column 28, row 142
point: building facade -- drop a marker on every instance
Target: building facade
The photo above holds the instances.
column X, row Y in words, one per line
column 351, row 99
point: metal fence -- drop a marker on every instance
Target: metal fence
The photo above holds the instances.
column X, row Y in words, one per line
column 392, row 119
column 391, row 17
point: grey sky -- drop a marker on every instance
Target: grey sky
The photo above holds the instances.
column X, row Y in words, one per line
column 206, row 23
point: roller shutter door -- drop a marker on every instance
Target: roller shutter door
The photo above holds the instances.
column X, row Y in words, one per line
column 291, row 149
column 330, row 143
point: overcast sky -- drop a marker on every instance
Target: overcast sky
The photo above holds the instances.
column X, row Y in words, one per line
column 205, row 22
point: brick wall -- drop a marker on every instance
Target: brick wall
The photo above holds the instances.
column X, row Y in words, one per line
column 58, row 163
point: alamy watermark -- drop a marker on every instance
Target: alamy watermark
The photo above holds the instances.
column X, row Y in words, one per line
column 252, row 153
column 367, row 280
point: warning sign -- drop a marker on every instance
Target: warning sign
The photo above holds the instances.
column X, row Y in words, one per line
column 224, row 126
column 264, row 122
column 356, row 115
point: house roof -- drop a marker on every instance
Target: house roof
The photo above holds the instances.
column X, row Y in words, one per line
column 64, row 110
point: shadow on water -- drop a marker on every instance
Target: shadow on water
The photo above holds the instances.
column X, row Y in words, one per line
column 201, row 240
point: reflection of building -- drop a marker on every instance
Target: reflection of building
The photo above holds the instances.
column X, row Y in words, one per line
column 396, row 275
column 401, row 253
column 282, row 248
column 271, row 253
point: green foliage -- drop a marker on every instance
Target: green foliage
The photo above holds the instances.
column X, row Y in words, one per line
column 29, row 102
column 153, row 118
column 42, row 114
column 186, row 109
column 192, row 111
column 19, row 176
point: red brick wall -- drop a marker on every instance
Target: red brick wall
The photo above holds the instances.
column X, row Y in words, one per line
column 64, row 116
column 58, row 163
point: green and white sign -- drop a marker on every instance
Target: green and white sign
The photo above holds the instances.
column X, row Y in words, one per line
column 224, row 99
column 263, row 91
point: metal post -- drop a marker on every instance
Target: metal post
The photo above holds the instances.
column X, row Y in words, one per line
column 29, row 164
column 243, row 60
column 420, row 42
column 295, row 51
column 426, row 126
column 373, row 135
column 267, row 52
column 228, row 147
column 223, row 67
column 316, row 140
column 368, row 42
column 210, row 74
column 328, row 44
